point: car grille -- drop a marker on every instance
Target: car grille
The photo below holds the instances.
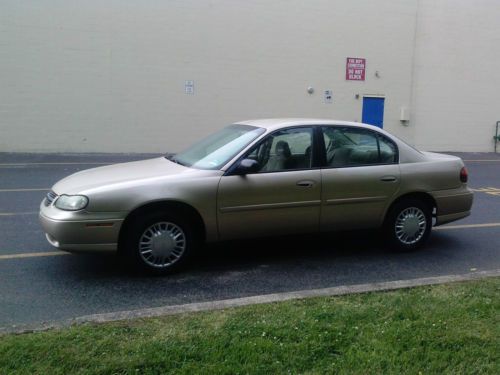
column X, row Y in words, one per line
column 51, row 196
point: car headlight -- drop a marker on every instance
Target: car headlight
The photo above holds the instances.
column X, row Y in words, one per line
column 72, row 202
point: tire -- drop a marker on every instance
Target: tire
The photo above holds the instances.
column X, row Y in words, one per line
column 408, row 224
column 159, row 243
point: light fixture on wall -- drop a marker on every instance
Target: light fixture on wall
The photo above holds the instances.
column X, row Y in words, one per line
column 310, row 90
column 377, row 74
column 404, row 116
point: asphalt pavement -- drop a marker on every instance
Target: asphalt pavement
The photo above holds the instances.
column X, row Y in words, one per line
column 41, row 284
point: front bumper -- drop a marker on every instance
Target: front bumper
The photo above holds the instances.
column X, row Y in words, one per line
column 81, row 231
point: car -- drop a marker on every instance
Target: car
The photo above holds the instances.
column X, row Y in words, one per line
column 258, row 178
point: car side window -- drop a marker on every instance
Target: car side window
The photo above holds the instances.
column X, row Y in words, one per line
column 388, row 151
column 348, row 147
column 284, row 150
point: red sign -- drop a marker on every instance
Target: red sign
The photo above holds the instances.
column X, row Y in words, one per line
column 355, row 69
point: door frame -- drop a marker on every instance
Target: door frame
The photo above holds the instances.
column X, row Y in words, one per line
column 375, row 96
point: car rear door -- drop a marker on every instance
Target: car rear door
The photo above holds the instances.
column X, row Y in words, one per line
column 359, row 179
column 281, row 197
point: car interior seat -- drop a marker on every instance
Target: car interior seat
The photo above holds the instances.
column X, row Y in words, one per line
column 337, row 156
column 281, row 159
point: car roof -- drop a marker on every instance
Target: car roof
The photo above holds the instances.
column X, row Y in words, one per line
column 277, row 123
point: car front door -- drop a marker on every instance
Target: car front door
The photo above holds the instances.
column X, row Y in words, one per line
column 359, row 178
column 282, row 194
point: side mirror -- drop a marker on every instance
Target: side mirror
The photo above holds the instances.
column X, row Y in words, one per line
column 247, row 166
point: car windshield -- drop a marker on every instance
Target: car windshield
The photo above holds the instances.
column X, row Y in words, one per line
column 217, row 149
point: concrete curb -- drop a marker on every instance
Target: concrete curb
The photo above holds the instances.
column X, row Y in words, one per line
column 244, row 301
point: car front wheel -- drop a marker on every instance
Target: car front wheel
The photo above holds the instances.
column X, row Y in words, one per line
column 160, row 243
column 408, row 224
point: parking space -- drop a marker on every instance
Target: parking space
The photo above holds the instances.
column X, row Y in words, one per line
column 39, row 284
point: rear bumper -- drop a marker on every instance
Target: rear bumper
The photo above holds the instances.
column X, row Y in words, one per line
column 444, row 219
column 75, row 234
column 452, row 204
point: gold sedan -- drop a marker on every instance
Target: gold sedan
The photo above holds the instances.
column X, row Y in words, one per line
column 253, row 179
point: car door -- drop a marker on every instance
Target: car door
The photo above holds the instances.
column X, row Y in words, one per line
column 281, row 196
column 359, row 178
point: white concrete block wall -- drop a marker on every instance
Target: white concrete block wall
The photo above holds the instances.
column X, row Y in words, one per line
column 108, row 76
column 457, row 75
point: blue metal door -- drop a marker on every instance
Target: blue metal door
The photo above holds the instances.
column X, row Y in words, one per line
column 373, row 111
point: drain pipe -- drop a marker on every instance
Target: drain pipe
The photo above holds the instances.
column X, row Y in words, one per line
column 497, row 137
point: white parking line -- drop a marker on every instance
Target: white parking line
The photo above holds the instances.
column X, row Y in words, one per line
column 15, row 190
column 54, row 163
column 32, row 255
column 464, row 226
column 482, row 160
column 18, row 213
column 488, row 190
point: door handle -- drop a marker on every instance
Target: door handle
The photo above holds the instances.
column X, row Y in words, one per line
column 305, row 183
column 388, row 179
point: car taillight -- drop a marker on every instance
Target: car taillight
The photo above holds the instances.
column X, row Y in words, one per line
column 464, row 175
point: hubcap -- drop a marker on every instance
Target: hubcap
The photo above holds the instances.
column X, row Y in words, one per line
column 410, row 225
column 162, row 244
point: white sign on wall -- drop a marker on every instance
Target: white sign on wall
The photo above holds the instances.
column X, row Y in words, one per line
column 189, row 87
column 328, row 96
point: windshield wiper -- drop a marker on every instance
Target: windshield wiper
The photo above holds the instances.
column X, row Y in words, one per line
column 172, row 158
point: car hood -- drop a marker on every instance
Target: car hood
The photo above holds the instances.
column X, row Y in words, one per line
column 123, row 173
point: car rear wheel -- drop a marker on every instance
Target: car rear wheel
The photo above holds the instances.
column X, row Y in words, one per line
column 408, row 224
column 160, row 243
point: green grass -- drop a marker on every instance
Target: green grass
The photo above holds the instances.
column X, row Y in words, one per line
column 445, row 329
